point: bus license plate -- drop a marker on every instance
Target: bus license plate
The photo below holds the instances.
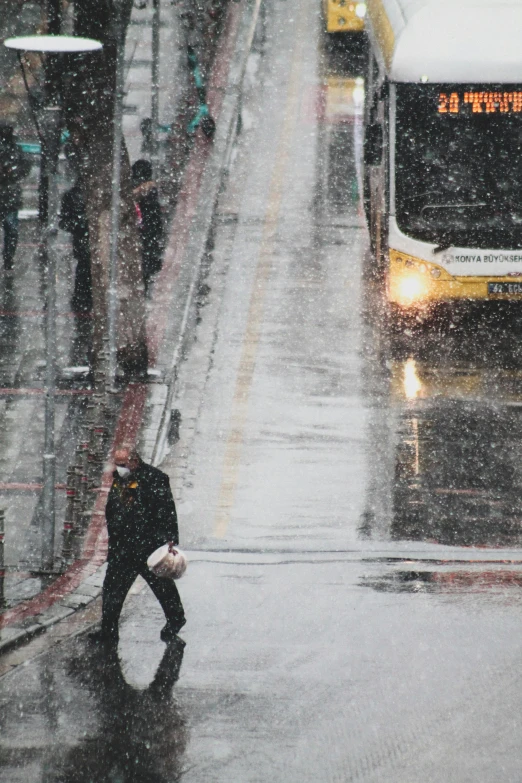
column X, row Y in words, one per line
column 515, row 289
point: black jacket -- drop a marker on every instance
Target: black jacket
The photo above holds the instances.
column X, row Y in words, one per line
column 140, row 513
column 151, row 226
column 73, row 218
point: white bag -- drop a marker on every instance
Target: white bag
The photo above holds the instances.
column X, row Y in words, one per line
column 168, row 562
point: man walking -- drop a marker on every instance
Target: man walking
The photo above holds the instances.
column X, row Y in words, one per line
column 145, row 191
column 141, row 516
column 73, row 218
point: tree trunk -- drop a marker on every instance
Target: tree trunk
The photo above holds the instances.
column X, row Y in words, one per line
column 89, row 88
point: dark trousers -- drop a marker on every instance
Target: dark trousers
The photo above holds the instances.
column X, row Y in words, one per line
column 150, row 259
column 121, row 573
column 82, row 296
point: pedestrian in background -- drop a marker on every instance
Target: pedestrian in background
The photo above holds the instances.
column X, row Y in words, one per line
column 141, row 517
column 73, row 218
column 13, row 168
column 147, row 141
column 150, row 219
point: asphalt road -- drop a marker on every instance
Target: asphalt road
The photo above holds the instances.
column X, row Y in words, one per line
column 348, row 495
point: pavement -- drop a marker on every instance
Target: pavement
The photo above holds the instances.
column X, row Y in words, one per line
column 347, row 497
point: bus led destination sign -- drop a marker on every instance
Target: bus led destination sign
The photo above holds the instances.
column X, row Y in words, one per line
column 470, row 102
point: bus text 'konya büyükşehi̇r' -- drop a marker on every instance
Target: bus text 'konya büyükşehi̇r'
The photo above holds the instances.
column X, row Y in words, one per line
column 443, row 148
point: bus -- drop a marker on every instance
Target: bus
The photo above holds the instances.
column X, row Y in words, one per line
column 342, row 16
column 443, row 150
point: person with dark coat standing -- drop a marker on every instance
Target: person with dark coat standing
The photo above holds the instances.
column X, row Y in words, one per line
column 13, row 168
column 141, row 516
column 73, row 218
column 150, row 219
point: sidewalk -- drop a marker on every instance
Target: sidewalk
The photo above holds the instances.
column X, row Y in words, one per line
column 142, row 411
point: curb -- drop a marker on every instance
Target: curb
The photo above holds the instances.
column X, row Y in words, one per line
column 150, row 406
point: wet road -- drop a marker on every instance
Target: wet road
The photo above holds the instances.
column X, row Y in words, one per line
column 349, row 494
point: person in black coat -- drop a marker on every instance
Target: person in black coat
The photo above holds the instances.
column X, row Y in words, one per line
column 145, row 193
column 141, row 516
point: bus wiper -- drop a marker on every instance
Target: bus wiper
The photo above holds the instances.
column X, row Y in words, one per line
column 444, row 244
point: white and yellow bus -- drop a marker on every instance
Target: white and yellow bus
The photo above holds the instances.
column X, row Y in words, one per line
column 344, row 16
column 443, row 148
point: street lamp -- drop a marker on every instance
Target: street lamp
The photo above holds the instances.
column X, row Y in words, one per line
column 55, row 46
column 119, row 28
column 154, row 101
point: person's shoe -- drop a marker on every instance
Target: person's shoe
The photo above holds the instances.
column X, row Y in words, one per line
column 170, row 632
column 102, row 637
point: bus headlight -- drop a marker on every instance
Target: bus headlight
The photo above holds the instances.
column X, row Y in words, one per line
column 410, row 289
column 360, row 10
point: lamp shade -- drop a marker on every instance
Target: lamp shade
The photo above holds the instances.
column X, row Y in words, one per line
column 53, row 44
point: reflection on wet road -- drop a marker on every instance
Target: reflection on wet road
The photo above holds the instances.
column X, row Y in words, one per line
column 137, row 735
column 490, row 578
column 454, row 390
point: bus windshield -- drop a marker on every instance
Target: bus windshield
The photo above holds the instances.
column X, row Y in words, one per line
column 458, row 164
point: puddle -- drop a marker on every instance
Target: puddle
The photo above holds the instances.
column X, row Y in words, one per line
column 470, row 581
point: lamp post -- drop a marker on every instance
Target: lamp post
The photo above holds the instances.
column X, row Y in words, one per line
column 54, row 46
column 51, row 89
column 154, row 100
column 116, row 183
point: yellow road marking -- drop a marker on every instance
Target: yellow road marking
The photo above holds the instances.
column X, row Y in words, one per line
column 234, row 445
